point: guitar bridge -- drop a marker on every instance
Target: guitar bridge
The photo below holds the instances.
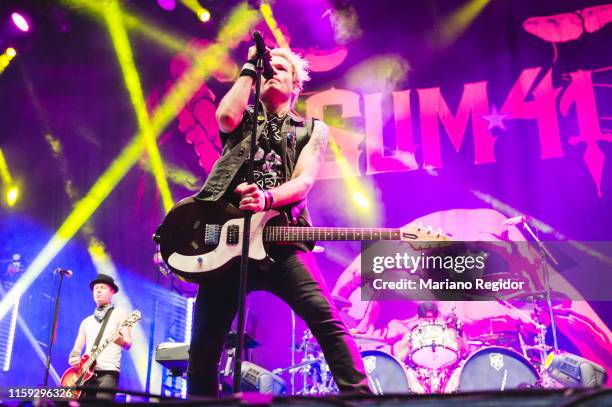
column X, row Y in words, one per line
column 211, row 234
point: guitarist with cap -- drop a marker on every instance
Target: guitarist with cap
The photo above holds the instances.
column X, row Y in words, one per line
column 103, row 324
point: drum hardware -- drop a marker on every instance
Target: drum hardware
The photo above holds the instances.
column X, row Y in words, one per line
column 435, row 344
column 503, row 338
column 316, row 375
column 546, row 257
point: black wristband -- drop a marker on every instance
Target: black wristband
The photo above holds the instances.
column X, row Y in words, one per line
column 249, row 73
column 248, row 69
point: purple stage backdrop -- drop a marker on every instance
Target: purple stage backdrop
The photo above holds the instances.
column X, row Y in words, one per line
column 457, row 114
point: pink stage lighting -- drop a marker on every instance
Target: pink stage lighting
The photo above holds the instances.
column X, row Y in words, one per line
column 167, row 5
column 20, row 22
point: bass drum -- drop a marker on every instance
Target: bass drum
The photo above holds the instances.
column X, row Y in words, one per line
column 492, row 368
column 387, row 375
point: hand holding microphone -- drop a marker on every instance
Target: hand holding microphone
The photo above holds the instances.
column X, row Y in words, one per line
column 264, row 54
column 259, row 50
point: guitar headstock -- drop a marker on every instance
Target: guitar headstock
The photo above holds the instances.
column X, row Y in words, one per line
column 424, row 237
column 134, row 317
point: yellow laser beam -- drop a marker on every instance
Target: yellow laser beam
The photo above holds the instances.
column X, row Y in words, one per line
column 5, row 174
column 6, row 58
column 266, row 12
column 239, row 23
column 195, row 6
column 12, row 195
column 359, row 194
column 122, row 47
column 141, row 25
column 456, row 23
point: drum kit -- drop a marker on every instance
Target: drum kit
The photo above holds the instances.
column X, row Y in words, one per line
column 438, row 357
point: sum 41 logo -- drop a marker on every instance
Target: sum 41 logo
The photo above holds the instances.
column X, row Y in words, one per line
column 532, row 97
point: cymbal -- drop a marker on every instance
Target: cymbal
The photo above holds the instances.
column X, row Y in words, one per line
column 341, row 302
column 498, row 338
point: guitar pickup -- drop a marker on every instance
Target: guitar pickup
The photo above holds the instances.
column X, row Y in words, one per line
column 211, row 234
column 232, row 234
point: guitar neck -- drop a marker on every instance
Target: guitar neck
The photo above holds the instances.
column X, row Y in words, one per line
column 96, row 353
column 305, row 234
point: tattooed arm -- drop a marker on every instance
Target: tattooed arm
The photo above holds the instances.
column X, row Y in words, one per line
column 301, row 182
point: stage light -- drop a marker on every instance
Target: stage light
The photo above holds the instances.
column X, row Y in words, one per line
column 11, row 190
column 361, row 200
column 131, row 77
column 239, row 23
column 456, row 23
column 145, row 27
column 266, row 12
column 194, row 5
column 12, row 195
column 380, row 73
column 10, row 335
column 167, row 5
column 187, row 335
column 575, row 371
column 204, row 15
column 20, row 22
column 6, row 58
column 359, row 194
column 104, row 264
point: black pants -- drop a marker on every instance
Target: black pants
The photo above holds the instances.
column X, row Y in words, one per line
column 296, row 279
column 105, row 379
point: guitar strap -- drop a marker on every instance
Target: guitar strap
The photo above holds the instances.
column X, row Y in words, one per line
column 104, row 322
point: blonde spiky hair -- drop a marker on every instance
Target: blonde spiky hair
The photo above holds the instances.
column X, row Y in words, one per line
column 299, row 68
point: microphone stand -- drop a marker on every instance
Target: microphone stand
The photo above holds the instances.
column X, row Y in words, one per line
column 53, row 326
column 244, row 260
column 545, row 254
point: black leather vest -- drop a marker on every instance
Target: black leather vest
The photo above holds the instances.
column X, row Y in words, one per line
column 295, row 133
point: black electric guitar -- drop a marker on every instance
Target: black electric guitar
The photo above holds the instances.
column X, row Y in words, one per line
column 197, row 238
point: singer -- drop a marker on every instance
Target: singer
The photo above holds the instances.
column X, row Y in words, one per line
column 289, row 153
column 103, row 288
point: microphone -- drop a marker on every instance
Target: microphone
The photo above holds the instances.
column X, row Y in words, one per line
column 268, row 72
column 517, row 220
column 67, row 273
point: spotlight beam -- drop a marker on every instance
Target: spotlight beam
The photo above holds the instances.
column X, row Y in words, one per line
column 266, row 12
column 456, row 23
column 240, row 22
column 195, row 6
column 5, row 174
column 125, row 57
column 104, row 264
column 132, row 22
column 6, row 58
